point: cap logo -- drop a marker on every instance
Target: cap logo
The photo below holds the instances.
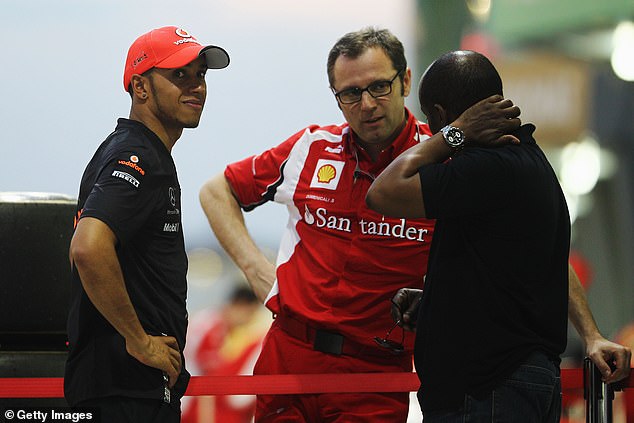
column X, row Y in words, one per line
column 139, row 59
column 182, row 33
column 185, row 37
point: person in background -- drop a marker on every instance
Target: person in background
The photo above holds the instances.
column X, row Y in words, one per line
column 225, row 342
column 339, row 263
column 128, row 317
column 492, row 318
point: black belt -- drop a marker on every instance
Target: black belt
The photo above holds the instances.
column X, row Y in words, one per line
column 325, row 341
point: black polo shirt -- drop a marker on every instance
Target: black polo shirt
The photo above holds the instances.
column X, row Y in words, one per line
column 497, row 283
column 132, row 186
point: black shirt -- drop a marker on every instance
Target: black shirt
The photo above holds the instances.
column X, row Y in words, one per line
column 497, row 282
column 132, row 186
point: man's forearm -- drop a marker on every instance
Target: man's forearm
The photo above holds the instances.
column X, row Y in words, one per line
column 397, row 191
column 579, row 312
column 612, row 359
column 111, row 299
column 227, row 222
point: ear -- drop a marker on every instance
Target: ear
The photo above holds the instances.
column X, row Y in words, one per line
column 440, row 115
column 140, row 87
column 436, row 117
column 407, row 82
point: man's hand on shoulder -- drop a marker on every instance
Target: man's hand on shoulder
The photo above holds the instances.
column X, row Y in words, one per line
column 489, row 122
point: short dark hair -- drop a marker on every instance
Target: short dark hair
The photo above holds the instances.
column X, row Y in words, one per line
column 243, row 294
column 457, row 80
column 354, row 44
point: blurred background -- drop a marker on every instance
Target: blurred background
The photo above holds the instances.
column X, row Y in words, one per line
column 569, row 65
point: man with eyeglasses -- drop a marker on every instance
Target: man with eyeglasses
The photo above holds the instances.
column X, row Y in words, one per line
column 339, row 263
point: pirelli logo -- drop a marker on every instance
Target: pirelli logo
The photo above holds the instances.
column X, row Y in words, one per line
column 127, row 177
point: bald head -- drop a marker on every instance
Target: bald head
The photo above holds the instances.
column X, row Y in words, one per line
column 458, row 80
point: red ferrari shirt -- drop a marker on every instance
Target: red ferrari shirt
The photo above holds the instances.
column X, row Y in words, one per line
column 339, row 263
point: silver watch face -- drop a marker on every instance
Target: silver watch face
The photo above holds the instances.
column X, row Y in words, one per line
column 453, row 136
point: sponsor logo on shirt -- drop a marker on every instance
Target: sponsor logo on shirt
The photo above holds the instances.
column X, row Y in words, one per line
column 327, row 174
column 400, row 229
column 320, row 198
column 77, row 217
column 172, row 194
column 336, row 150
column 132, row 163
column 171, row 227
column 127, row 177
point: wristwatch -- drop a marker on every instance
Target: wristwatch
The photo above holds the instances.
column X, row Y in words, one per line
column 454, row 137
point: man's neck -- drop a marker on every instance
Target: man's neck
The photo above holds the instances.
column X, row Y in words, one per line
column 168, row 137
column 375, row 149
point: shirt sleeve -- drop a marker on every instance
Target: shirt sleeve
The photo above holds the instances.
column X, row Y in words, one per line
column 122, row 196
column 255, row 180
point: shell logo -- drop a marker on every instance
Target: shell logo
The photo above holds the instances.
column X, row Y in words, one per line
column 326, row 173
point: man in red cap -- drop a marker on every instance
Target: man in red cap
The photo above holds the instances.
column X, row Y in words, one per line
column 128, row 317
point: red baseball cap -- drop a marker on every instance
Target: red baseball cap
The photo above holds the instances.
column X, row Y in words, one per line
column 169, row 47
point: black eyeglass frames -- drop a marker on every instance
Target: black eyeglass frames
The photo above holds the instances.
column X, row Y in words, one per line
column 376, row 89
column 390, row 345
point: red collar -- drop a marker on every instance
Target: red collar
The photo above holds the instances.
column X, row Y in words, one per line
column 405, row 139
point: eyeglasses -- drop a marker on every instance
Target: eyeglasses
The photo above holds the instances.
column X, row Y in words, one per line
column 375, row 89
column 394, row 347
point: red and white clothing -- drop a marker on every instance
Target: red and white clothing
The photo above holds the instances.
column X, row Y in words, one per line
column 339, row 262
column 215, row 348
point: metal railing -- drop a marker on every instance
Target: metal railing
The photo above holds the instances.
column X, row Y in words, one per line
column 598, row 395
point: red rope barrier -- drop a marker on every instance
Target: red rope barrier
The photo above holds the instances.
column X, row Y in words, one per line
column 304, row 383
column 46, row 387
column 273, row 384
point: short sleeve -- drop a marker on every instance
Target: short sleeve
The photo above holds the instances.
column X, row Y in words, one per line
column 123, row 194
column 255, row 179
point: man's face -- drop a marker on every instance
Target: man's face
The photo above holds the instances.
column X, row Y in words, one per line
column 374, row 120
column 179, row 94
